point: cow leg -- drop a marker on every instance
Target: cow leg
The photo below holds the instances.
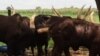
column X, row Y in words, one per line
column 18, row 52
column 40, row 51
column 46, row 49
column 32, row 49
column 57, row 50
column 99, row 54
column 22, row 52
column 98, row 51
column 12, row 52
column 66, row 51
column 9, row 51
column 93, row 51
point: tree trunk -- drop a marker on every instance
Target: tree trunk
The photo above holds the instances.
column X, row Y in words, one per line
column 98, row 7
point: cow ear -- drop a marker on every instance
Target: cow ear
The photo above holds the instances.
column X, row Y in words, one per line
column 18, row 17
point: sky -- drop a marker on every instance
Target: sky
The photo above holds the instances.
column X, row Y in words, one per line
column 31, row 4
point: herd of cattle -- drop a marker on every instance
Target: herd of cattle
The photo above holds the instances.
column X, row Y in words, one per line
column 65, row 32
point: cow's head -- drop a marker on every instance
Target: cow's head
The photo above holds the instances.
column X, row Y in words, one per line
column 22, row 21
column 41, row 23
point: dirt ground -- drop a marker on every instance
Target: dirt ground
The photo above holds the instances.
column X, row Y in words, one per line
column 80, row 52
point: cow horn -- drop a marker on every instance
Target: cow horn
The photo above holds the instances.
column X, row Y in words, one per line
column 87, row 12
column 56, row 12
column 13, row 10
column 91, row 17
column 80, row 12
column 32, row 25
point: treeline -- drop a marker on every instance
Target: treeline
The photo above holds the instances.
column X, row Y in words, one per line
column 38, row 10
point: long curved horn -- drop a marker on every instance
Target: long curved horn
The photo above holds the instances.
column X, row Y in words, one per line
column 32, row 25
column 80, row 12
column 56, row 12
column 13, row 10
column 87, row 12
column 91, row 17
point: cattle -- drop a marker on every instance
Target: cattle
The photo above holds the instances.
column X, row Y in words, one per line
column 78, row 33
column 87, row 34
column 74, row 33
column 41, row 35
column 16, row 33
column 58, row 33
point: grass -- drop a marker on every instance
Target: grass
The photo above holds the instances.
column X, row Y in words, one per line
column 50, row 43
column 2, row 44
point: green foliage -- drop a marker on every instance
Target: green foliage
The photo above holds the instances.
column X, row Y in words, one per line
column 64, row 11
column 2, row 44
column 51, row 43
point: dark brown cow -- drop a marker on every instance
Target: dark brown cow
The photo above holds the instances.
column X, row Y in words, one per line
column 88, row 35
column 41, row 37
column 75, row 33
column 60, row 26
column 67, row 32
column 15, row 32
column 9, row 29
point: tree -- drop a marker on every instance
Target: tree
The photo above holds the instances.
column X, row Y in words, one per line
column 98, row 7
column 38, row 9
